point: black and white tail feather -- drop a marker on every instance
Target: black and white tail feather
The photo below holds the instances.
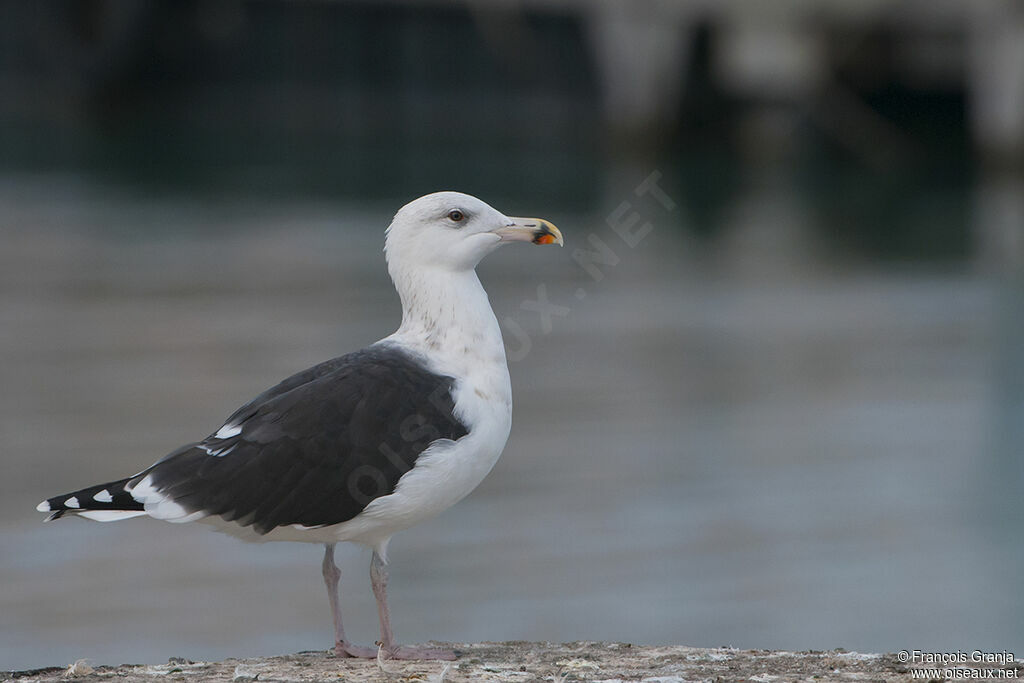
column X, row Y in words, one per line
column 102, row 503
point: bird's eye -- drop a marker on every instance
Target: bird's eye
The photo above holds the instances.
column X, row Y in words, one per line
column 455, row 215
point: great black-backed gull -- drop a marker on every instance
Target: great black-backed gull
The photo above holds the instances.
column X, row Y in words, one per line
column 367, row 444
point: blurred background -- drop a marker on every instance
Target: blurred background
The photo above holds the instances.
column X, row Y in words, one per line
column 770, row 395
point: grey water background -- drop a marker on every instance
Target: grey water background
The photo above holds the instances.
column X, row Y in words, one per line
column 789, row 417
column 723, row 443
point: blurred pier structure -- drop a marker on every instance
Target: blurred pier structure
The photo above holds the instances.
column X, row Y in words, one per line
column 645, row 63
column 790, row 56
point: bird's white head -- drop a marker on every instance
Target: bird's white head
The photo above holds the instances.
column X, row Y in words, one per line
column 452, row 231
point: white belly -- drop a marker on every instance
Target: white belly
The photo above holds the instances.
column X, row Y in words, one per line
column 445, row 473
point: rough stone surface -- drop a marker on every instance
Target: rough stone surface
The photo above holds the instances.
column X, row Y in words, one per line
column 521, row 662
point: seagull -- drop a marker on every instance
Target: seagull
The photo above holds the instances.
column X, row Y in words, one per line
column 365, row 445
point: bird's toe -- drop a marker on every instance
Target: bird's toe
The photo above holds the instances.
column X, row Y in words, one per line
column 346, row 649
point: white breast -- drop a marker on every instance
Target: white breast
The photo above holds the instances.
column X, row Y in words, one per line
column 448, row 470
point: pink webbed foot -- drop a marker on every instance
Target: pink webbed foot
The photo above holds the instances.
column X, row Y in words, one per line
column 389, row 649
column 347, row 649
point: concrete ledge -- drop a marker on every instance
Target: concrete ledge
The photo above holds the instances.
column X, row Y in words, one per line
column 522, row 661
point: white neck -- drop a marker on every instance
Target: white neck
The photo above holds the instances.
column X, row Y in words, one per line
column 448, row 314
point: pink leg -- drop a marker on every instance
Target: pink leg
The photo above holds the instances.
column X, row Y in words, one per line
column 379, row 581
column 342, row 648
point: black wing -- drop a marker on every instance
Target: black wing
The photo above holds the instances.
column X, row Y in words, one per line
column 318, row 447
